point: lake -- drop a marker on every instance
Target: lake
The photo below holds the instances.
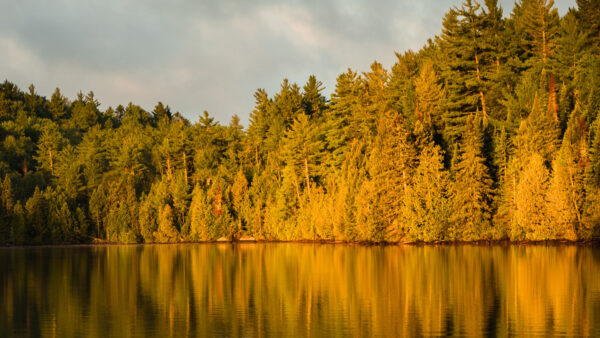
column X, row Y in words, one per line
column 294, row 289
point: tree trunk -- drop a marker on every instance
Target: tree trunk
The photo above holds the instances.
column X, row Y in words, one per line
column 306, row 174
column 185, row 169
column 51, row 161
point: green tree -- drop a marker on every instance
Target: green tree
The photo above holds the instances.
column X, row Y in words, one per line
column 302, row 150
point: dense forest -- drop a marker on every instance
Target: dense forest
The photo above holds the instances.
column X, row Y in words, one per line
column 489, row 132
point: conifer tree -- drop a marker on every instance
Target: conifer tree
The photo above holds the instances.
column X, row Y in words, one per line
column 587, row 14
column 464, row 72
column 91, row 154
column 426, row 208
column 342, row 121
column 428, row 106
column 6, row 211
column 302, row 150
column 49, row 145
column 400, row 88
column 566, row 194
column 240, row 199
column 166, row 228
column 472, row 188
column 374, row 101
column 58, row 106
column 592, row 185
column 313, row 102
column 390, row 166
column 531, row 222
column 540, row 22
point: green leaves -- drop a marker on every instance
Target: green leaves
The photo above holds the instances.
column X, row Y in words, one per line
column 490, row 131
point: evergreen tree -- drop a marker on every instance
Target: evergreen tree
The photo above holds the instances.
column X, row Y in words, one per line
column 540, row 22
column 426, row 208
column 6, row 211
column 472, row 188
column 241, row 200
column 428, row 106
column 390, row 166
column 466, row 70
column 49, row 145
column 587, row 14
column 566, row 193
column 313, row 102
column 488, row 122
column 530, row 219
column 302, row 150
column 342, row 119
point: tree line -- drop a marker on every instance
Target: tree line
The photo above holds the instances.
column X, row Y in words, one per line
column 489, row 132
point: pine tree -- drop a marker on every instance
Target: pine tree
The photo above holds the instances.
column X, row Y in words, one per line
column 592, row 185
column 162, row 112
column 49, row 145
column 374, row 101
column 92, row 156
column 538, row 133
column 472, row 188
column 341, row 119
column 352, row 176
column 390, row 166
column 570, row 49
column 302, row 150
column 241, row 200
column 464, row 71
column 166, row 228
column 68, row 173
column 58, row 106
column 540, row 22
column 587, row 14
column 36, row 216
column 313, row 102
column 201, row 217
column 426, row 208
column 566, row 194
column 530, row 220
column 6, row 211
column 428, row 106
column 400, row 88
column 258, row 127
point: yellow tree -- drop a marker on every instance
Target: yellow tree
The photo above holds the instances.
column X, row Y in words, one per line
column 390, row 167
column 566, row 194
column 472, row 188
column 426, row 207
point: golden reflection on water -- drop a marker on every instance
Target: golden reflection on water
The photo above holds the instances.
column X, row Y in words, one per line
column 299, row 290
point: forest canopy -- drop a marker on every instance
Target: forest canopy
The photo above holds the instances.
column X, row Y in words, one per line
column 489, row 132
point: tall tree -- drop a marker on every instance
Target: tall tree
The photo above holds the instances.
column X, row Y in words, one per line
column 302, row 152
column 472, row 188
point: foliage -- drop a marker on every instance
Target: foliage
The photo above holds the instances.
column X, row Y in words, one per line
column 490, row 131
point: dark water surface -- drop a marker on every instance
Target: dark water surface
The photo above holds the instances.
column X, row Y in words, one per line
column 289, row 290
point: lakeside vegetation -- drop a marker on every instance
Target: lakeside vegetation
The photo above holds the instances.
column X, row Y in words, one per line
column 490, row 131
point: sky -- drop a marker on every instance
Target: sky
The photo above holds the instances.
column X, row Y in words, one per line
column 205, row 55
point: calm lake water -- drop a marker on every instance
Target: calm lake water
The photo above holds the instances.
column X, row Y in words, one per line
column 289, row 290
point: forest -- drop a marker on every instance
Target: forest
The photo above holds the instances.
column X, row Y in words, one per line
column 491, row 131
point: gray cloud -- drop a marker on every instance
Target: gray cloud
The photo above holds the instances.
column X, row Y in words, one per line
column 196, row 55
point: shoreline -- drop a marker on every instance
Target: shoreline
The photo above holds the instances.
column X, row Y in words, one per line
column 592, row 243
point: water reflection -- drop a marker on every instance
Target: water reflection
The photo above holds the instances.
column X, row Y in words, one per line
column 299, row 290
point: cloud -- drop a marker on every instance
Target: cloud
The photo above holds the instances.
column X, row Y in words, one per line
column 196, row 55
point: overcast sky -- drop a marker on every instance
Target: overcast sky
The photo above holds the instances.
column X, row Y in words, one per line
column 211, row 54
